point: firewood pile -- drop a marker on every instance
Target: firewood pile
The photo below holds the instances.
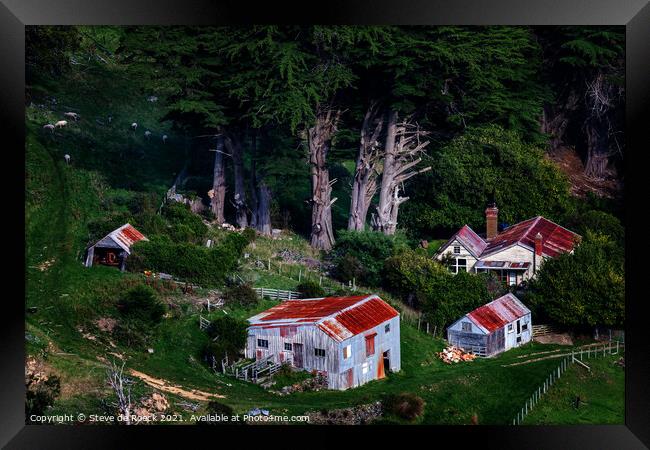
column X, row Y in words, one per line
column 453, row 354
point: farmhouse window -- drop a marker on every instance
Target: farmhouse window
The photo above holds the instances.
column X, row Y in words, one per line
column 467, row 326
column 387, row 328
column 510, row 329
column 288, row 346
column 370, row 344
column 319, row 352
column 263, row 343
column 347, row 351
column 364, row 368
column 518, row 339
column 457, row 249
column 524, row 327
column 461, row 265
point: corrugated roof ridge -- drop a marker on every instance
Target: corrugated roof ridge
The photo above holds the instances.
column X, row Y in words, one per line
column 354, row 305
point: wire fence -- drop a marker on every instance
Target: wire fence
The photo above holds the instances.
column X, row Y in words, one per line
column 575, row 357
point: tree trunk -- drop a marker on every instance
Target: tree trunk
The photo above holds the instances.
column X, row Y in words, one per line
column 218, row 195
column 233, row 144
column 364, row 184
column 599, row 99
column 264, row 209
column 597, row 158
column 320, row 137
column 253, row 183
column 382, row 221
column 401, row 157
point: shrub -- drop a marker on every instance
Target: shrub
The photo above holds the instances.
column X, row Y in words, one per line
column 241, row 295
column 99, row 228
column 249, row 234
column 361, row 254
column 230, row 334
column 405, row 406
column 41, row 395
column 310, row 289
column 206, row 266
column 215, row 407
column 599, row 222
column 184, row 225
column 141, row 303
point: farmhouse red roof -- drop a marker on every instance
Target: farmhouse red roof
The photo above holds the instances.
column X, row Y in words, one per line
column 339, row 317
column 128, row 235
column 498, row 313
column 555, row 239
column 472, row 241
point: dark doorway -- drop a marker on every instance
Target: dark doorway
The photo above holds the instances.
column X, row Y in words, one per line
column 106, row 257
column 297, row 355
column 386, row 356
column 518, row 327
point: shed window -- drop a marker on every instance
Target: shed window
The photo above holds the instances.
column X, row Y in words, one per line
column 524, row 327
column 370, row 344
column 263, row 343
column 457, row 249
column 510, row 329
column 347, row 351
column 387, row 328
column 288, row 346
column 466, row 326
column 364, row 368
column 319, row 352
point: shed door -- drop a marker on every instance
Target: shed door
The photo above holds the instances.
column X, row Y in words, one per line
column 297, row 355
column 349, row 378
column 380, row 367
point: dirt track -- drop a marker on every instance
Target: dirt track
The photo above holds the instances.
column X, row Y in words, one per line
column 164, row 386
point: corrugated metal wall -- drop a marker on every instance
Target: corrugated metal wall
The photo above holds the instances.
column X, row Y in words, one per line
column 364, row 368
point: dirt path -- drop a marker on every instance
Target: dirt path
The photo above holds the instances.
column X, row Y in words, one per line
column 164, row 386
column 576, row 351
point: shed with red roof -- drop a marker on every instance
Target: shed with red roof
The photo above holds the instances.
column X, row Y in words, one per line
column 351, row 340
column 114, row 248
column 495, row 327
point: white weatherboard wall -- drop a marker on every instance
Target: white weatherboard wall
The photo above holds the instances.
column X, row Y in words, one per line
column 464, row 253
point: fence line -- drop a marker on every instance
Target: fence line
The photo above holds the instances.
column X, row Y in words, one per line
column 592, row 351
column 277, row 294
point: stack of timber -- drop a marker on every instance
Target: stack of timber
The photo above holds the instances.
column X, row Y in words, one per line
column 453, row 354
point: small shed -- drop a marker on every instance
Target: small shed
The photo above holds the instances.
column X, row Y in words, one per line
column 114, row 248
column 493, row 328
column 352, row 340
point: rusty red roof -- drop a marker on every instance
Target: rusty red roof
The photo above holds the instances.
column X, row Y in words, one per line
column 498, row 313
column 470, row 240
column 555, row 239
column 124, row 237
column 339, row 317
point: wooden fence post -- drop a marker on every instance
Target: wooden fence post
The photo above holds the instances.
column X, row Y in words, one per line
column 299, row 274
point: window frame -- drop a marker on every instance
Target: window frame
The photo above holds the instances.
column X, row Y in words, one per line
column 466, row 326
column 511, row 329
column 347, row 352
column 317, row 351
column 260, row 345
column 288, row 347
column 387, row 328
column 454, row 249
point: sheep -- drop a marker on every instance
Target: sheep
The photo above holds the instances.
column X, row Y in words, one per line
column 61, row 123
column 147, row 134
column 134, row 126
column 110, row 119
column 164, row 138
column 49, row 126
column 72, row 115
column 67, row 158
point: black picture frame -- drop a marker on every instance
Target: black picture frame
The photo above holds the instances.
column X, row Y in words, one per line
column 633, row 14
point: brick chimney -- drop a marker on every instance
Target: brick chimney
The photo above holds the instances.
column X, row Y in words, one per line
column 491, row 218
column 538, row 244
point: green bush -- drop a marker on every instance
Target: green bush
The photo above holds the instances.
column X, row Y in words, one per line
column 310, row 289
column 406, row 406
column 241, row 295
column 598, row 222
column 583, row 289
column 141, row 304
column 428, row 285
column 228, row 337
column 249, row 234
column 184, row 225
column 215, row 407
column 206, row 266
column 40, row 395
column 361, row 255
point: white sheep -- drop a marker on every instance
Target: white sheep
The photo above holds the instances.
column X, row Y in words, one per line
column 110, row 119
column 67, row 158
column 147, row 134
column 72, row 115
column 134, row 126
column 61, row 123
column 49, row 126
column 164, row 138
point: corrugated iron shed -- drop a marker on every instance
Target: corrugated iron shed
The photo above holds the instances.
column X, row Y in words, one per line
column 124, row 236
column 499, row 312
column 339, row 317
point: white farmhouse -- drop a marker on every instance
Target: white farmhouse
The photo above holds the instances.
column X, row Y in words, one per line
column 514, row 254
